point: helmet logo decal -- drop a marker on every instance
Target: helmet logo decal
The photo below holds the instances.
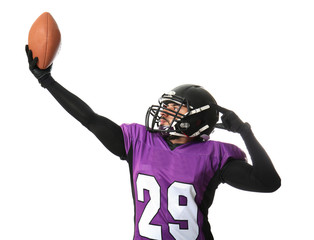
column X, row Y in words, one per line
column 171, row 93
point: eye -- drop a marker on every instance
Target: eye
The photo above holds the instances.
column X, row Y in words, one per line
column 163, row 105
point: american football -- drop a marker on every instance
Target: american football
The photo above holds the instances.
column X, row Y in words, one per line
column 44, row 39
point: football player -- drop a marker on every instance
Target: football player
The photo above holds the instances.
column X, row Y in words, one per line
column 174, row 168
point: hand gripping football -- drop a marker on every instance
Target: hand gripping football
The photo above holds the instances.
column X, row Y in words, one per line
column 44, row 40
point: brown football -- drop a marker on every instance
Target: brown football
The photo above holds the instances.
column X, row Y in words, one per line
column 44, row 39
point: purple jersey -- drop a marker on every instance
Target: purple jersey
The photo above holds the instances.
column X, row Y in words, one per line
column 173, row 189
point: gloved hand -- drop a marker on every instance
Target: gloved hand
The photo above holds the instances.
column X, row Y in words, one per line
column 43, row 75
column 231, row 121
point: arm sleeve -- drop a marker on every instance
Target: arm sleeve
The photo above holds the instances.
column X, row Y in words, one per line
column 108, row 132
column 261, row 176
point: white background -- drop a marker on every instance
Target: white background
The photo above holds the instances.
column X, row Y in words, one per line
column 256, row 57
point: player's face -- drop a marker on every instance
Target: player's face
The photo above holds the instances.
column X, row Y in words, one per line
column 166, row 118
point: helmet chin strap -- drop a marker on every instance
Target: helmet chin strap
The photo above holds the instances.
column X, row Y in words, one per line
column 164, row 130
column 197, row 133
column 178, row 134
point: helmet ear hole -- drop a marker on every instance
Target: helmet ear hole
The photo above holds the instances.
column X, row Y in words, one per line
column 184, row 125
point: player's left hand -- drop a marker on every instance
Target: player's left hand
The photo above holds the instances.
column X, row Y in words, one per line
column 231, row 121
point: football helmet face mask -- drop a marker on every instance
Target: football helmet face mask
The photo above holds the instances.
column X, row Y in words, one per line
column 199, row 119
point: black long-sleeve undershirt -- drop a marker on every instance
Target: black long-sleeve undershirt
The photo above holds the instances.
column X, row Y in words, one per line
column 261, row 176
column 109, row 133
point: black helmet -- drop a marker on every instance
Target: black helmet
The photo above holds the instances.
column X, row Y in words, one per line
column 199, row 120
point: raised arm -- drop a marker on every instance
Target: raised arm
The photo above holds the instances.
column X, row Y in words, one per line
column 108, row 132
column 261, row 176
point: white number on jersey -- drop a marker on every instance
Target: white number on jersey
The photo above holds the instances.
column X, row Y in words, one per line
column 187, row 212
column 145, row 228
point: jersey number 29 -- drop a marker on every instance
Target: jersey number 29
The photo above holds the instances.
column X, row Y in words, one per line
column 187, row 212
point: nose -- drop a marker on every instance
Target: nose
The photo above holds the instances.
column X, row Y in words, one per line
column 164, row 114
